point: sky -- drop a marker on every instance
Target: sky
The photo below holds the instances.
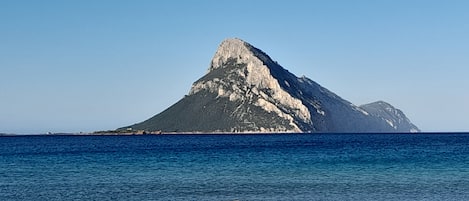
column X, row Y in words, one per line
column 83, row 66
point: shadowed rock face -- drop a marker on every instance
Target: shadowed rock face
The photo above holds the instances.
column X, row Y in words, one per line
column 244, row 90
column 393, row 116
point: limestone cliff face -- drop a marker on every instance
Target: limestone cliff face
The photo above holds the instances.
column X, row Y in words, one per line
column 244, row 90
column 246, row 77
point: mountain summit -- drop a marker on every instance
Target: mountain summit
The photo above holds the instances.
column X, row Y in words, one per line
column 244, row 90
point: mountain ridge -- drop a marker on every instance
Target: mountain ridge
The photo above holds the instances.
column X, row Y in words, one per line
column 244, row 90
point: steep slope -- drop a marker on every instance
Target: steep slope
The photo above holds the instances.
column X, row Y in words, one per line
column 394, row 117
column 244, row 90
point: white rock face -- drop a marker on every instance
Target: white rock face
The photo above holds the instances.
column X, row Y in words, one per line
column 233, row 48
column 258, row 77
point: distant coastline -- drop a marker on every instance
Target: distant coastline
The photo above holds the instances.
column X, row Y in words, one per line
column 104, row 133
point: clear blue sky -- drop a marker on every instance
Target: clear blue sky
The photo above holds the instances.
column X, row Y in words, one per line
column 71, row 66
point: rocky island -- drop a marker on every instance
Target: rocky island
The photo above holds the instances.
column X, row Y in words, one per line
column 245, row 91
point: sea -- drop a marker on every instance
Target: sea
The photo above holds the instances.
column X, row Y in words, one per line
column 236, row 167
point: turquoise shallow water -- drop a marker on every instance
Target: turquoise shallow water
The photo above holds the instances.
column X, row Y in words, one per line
column 236, row 167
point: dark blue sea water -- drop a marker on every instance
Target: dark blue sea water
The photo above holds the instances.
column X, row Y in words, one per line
column 236, row 167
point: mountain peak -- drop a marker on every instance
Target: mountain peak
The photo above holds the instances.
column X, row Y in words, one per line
column 233, row 42
column 241, row 72
column 230, row 48
column 239, row 50
column 244, row 90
